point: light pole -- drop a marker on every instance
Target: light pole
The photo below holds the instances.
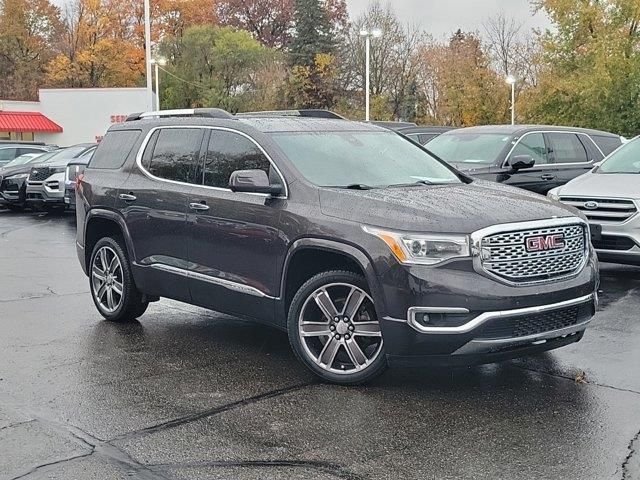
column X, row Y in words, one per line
column 147, row 51
column 158, row 62
column 511, row 80
column 367, row 34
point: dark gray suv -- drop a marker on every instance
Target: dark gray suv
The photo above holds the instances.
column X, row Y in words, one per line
column 366, row 249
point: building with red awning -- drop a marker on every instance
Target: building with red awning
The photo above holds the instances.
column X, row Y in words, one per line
column 66, row 116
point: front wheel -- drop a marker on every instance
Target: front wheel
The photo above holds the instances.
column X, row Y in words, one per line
column 333, row 328
column 112, row 287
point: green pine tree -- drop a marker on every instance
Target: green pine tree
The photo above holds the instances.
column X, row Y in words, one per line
column 314, row 32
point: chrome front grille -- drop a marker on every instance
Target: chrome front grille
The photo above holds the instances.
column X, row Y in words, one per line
column 506, row 254
column 603, row 210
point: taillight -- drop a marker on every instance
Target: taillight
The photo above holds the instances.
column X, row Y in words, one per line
column 79, row 180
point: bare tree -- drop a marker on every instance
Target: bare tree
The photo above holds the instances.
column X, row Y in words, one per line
column 394, row 56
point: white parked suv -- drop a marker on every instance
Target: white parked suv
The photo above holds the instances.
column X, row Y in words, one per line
column 609, row 196
column 45, row 184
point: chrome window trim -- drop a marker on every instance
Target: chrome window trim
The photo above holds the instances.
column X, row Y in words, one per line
column 477, row 237
column 143, row 146
column 228, row 284
column 517, row 142
column 487, row 316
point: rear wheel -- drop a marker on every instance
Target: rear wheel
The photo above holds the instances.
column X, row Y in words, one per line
column 334, row 329
column 112, row 287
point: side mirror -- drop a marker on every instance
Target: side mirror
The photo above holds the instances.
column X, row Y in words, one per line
column 253, row 181
column 520, row 162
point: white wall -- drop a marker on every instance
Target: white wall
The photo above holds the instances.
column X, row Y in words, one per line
column 17, row 106
column 85, row 114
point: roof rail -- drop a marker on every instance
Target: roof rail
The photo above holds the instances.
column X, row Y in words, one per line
column 310, row 113
column 187, row 112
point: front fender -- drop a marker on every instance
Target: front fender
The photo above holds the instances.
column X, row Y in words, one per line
column 355, row 253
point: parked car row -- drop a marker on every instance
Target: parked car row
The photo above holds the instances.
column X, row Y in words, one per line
column 38, row 180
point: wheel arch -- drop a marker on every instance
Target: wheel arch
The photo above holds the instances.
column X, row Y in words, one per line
column 309, row 256
column 100, row 223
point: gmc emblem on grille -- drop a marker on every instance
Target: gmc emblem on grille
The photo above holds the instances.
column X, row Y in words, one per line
column 543, row 243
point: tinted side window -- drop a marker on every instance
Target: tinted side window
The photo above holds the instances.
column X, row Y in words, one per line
column 534, row 146
column 175, row 155
column 607, row 144
column 227, row 152
column 566, row 148
column 114, row 149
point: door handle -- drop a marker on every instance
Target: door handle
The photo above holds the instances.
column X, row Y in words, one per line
column 200, row 207
column 547, row 176
column 127, row 197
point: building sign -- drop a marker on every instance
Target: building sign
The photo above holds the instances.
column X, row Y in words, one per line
column 118, row 118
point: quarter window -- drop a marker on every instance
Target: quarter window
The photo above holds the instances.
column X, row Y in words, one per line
column 566, row 148
column 228, row 152
column 114, row 149
column 532, row 145
column 175, row 154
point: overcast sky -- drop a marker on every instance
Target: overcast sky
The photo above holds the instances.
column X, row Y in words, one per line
column 442, row 17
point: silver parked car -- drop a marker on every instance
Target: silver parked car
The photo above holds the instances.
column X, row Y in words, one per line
column 609, row 196
column 45, row 184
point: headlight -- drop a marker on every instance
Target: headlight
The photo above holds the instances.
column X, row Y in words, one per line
column 58, row 169
column 17, row 176
column 423, row 248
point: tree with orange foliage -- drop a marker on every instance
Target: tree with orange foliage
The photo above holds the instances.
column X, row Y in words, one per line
column 27, row 29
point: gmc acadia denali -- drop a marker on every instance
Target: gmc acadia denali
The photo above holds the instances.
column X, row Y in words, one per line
column 360, row 244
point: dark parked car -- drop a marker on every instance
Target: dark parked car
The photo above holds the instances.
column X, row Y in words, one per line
column 13, row 177
column 423, row 135
column 366, row 249
column 536, row 158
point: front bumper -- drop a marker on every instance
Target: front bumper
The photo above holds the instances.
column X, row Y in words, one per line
column 618, row 243
column 12, row 191
column 49, row 192
column 474, row 319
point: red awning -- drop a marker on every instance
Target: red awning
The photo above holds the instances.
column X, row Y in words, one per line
column 27, row 122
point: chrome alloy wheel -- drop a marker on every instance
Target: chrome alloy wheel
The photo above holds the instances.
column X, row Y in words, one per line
column 339, row 330
column 106, row 279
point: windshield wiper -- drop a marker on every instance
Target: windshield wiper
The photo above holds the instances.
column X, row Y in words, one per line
column 414, row 184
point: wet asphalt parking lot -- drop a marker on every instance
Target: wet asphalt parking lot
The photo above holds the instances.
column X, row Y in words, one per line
column 187, row 393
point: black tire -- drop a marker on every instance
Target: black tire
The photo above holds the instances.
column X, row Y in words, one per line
column 132, row 303
column 330, row 279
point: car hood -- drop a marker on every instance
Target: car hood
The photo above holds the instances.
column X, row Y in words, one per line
column 615, row 185
column 18, row 169
column 462, row 208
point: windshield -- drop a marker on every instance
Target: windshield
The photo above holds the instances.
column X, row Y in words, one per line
column 461, row 147
column 624, row 160
column 21, row 160
column 361, row 159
